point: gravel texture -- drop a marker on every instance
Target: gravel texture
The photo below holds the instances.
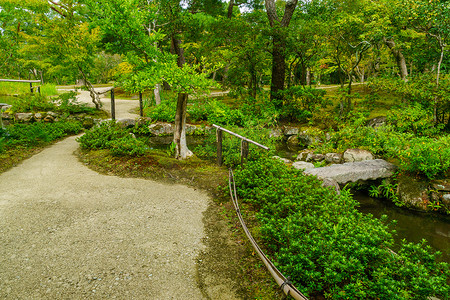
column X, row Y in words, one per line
column 69, row 232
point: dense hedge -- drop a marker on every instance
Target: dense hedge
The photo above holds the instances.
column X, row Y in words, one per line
column 327, row 247
column 36, row 134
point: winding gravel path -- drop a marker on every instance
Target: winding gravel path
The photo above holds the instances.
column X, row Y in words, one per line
column 67, row 232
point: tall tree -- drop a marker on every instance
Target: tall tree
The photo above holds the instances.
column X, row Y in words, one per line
column 278, row 45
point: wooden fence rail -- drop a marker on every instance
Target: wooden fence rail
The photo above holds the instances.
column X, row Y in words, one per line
column 25, row 81
column 244, row 144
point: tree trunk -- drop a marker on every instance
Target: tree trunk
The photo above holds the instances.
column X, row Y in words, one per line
column 179, row 135
column 94, row 95
column 230, row 9
column 308, row 77
column 279, row 44
column 278, row 70
column 157, row 94
column 399, row 58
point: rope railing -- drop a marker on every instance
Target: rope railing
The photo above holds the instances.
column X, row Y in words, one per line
column 280, row 279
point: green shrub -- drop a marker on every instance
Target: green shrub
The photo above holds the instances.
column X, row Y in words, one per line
column 109, row 135
column 164, row 112
column 128, row 146
column 29, row 135
column 216, row 112
column 99, row 137
column 231, row 145
column 429, row 157
column 327, row 247
column 32, row 103
column 300, row 103
column 413, row 119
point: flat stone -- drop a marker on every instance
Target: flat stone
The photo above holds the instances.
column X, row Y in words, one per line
column 24, row 117
column 355, row 171
column 302, row 165
column 353, row 155
column 285, row 160
column 315, row 157
column 441, row 185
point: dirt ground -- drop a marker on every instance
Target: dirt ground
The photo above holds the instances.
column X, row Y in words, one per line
column 67, row 232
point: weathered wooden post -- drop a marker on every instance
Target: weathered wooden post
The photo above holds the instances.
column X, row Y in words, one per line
column 219, row 147
column 113, row 106
column 244, row 151
column 141, row 108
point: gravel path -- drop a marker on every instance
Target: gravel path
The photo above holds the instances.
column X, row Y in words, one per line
column 67, row 232
column 124, row 108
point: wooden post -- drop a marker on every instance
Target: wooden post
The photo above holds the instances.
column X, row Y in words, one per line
column 113, row 106
column 244, row 151
column 141, row 108
column 31, row 87
column 219, row 147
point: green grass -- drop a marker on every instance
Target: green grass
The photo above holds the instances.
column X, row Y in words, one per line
column 13, row 88
column 7, row 99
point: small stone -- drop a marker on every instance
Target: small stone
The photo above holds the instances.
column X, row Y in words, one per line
column 302, row 165
column 285, row 160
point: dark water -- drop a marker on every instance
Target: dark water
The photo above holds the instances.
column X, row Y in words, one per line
column 412, row 226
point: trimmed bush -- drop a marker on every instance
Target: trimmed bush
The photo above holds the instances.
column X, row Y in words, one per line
column 327, row 247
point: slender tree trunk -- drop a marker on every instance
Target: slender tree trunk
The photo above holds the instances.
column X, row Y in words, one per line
column 157, row 93
column 179, row 135
column 399, row 58
column 438, row 73
column 230, row 9
column 94, row 95
column 308, row 76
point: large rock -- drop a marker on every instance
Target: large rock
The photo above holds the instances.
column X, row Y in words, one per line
column 413, row 192
column 302, row 165
column 160, row 129
column 24, row 117
column 355, row 171
column 126, row 123
column 353, row 155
